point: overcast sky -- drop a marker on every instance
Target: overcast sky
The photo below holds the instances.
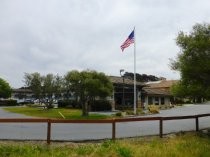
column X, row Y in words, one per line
column 57, row 36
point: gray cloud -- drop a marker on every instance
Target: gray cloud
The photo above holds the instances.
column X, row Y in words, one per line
column 55, row 36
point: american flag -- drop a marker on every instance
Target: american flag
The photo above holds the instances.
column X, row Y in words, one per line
column 128, row 41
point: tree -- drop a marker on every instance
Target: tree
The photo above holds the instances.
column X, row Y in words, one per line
column 88, row 85
column 45, row 87
column 58, row 86
column 34, row 81
column 48, row 89
column 141, row 78
column 52, row 88
column 72, row 83
column 5, row 89
column 193, row 62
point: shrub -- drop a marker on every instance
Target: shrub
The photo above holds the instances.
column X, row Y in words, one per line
column 140, row 111
column 8, row 102
column 68, row 103
column 62, row 103
column 100, row 105
column 129, row 112
column 153, row 109
column 119, row 114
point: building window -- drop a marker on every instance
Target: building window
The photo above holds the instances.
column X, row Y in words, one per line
column 162, row 100
column 156, row 100
column 150, row 102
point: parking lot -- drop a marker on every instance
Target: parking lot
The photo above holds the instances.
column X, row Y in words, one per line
column 77, row 132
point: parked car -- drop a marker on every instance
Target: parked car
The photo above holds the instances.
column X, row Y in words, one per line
column 25, row 101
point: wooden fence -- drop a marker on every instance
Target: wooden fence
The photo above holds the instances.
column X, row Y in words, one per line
column 110, row 121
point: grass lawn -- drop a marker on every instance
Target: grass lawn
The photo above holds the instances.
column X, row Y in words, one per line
column 54, row 113
column 184, row 145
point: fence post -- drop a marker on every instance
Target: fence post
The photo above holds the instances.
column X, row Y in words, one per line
column 197, row 123
column 161, row 127
column 48, row 131
column 113, row 129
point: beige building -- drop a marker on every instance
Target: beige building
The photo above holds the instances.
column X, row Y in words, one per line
column 152, row 93
column 158, row 93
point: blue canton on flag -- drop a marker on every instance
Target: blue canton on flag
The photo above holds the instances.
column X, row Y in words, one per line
column 128, row 41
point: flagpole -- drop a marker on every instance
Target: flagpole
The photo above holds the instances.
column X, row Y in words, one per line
column 134, row 83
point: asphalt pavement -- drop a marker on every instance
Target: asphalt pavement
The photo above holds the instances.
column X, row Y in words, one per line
column 77, row 132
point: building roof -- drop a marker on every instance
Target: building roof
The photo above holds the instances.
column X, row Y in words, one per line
column 161, row 84
column 157, row 92
column 22, row 90
column 119, row 80
column 161, row 87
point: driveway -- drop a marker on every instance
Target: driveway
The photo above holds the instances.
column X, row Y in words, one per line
column 38, row 131
column 6, row 114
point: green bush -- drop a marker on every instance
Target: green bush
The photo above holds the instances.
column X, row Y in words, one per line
column 63, row 103
column 8, row 102
column 119, row 114
column 153, row 109
column 140, row 111
column 129, row 112
column 100, row 105
column 68, row 103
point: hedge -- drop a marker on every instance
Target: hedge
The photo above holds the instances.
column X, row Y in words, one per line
column 68, row 103
column 100, row 105
column 8, row 102
column 96, row 105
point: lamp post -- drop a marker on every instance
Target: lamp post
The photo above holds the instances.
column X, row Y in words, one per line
column 122, row 75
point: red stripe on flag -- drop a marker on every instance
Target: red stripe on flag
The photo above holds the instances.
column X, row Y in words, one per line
column 127, row 43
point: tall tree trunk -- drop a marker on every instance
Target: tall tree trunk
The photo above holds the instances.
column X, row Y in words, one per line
column 85, row 109
column 199, row 100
